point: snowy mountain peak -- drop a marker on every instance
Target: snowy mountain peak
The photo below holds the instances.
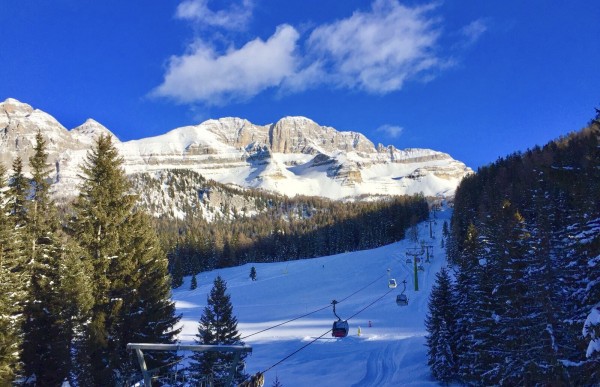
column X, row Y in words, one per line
column 293, row 156
column 90, row 130
column 13, row 107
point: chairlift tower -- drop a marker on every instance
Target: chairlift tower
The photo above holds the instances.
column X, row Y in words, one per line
column 415, row 252
column 431, row 221
column 427, row 247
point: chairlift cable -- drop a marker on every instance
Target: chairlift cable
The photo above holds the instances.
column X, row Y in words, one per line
column 317, row 338
column 285, row 322
column 295, row 352
column 371, row 304
column 363, row 288
column 314, row 311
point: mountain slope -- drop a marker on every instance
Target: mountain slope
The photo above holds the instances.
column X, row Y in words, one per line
column 292, row 156
column 389, row 353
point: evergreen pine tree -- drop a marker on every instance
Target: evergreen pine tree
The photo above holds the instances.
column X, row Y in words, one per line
column 147, row 313
column 11, row 293
column 194, row 283
column 57, row 294
column 131, row 285
column 473, row 308
column 217, row 325
column 439, row 323
column 19, row 189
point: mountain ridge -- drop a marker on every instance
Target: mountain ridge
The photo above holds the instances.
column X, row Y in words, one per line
column 294, row 155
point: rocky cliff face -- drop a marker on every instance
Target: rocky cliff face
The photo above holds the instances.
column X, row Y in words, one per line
column 293, row 156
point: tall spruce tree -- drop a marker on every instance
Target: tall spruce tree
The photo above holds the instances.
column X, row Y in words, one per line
column 46, row 343
column 131, row 285
column 473, row 300
column 218, row 325
column 440, row 323
column 57, row 294
column 18, row 191
column 11, row 292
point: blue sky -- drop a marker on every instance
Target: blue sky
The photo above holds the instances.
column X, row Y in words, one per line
column 476, row 79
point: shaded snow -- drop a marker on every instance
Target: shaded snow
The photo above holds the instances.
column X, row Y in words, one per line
column 593, row 320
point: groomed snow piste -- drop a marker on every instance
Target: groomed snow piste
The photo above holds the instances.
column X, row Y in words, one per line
column 391, row 352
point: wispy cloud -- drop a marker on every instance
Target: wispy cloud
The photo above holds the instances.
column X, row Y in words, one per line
column 378, row 50
column 375, row 51
column 473, row 31
column 236, row 17
column 205, row 76
column 391, row 131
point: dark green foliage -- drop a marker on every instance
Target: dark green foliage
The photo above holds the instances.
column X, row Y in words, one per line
column 12, row 283
column 58, row 294
column 253, row 273
column 440, row 325
column 194, row 283
column 131, row 285
column 528, row 280
column 19, row 190
column 218, row 325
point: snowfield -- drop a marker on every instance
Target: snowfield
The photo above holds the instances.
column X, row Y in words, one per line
column 391, row 352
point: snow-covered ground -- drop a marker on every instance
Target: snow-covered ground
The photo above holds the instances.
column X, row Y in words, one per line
column 391, row 352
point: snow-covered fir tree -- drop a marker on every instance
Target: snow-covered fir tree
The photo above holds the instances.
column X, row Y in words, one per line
column 539, row 219
column 440, row 323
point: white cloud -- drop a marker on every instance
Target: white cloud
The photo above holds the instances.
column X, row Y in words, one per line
column 204, row 75
column 377, row 51
column 473, row 31
column 392, row 131
column 234, row 18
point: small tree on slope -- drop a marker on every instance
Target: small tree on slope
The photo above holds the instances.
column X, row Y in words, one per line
column 218, row 325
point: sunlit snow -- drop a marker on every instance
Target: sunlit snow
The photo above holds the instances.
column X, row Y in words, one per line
column 391, row 352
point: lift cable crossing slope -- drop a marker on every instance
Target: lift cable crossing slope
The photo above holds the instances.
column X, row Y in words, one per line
column 314, row 311
column 325, row 333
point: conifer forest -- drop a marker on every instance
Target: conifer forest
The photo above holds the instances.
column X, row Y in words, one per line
column 523, row 252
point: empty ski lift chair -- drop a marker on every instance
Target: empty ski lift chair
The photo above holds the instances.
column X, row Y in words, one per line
column 408, row 260
column 340, row 327
column 421, row 268
column 392, row 283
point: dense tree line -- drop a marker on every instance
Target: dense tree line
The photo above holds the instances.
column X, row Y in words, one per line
column 524, row 246
column 287, row 229
column 75, row 290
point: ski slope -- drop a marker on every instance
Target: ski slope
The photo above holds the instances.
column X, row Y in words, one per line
column 391, row 352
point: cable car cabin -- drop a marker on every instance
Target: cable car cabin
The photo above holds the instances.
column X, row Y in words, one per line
column 402, row 299
column 392, row 284
column 340, row 329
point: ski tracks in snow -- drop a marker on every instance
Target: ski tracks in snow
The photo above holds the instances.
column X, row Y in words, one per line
column 381, row 367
